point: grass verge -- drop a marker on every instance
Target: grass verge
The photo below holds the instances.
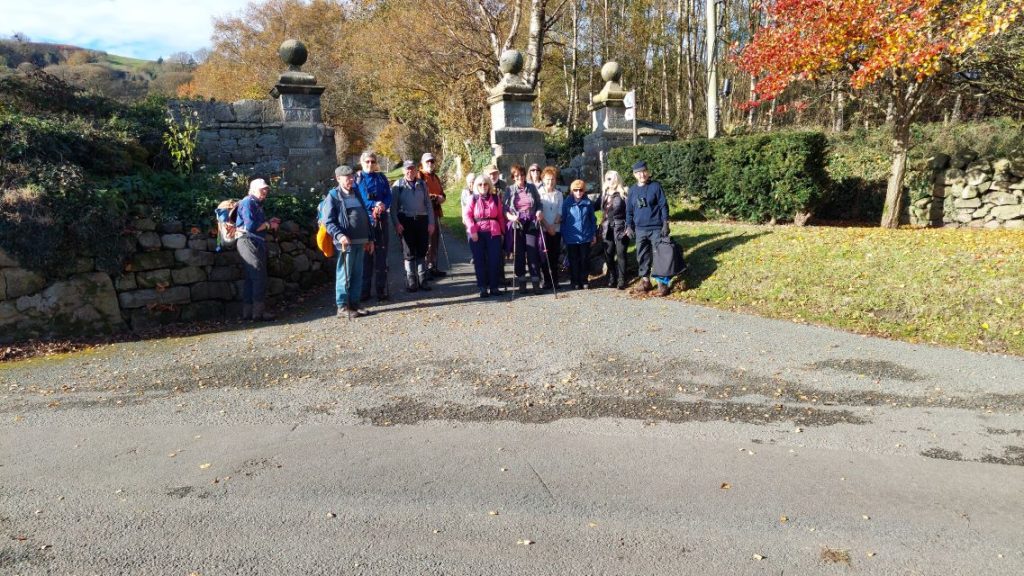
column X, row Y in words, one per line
column 952, row 287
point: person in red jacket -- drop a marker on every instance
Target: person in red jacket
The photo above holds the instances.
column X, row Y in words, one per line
column 435, row 188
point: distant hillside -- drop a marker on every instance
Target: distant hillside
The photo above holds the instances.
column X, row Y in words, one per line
column 119, row 77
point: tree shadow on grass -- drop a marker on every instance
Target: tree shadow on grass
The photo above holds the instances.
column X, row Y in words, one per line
column 702, row 252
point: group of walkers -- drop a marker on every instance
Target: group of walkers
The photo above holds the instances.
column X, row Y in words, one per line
column 528, row 220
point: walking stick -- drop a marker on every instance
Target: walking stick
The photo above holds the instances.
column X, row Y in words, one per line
column 348, row 279
column 387, row 261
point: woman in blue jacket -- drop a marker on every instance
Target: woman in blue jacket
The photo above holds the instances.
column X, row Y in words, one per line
column 579, row 232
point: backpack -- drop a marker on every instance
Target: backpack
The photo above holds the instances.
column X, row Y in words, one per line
column 228, row 232
column 668, row 258
column 323, row 239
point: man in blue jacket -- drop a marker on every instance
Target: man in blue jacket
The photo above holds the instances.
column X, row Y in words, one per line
column 348, row 222
column 375, row 191
column 252, row 247
column 646, row 222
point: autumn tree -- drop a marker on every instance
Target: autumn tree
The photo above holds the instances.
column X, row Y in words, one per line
column 243, row 62
column 900, row 47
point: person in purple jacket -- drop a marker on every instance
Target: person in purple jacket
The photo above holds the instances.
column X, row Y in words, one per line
column 579, row 232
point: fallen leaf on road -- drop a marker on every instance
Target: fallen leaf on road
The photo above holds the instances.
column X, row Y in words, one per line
column 783, row 519
column 759, row 557
column 493, row 512
column 205, row 466
column 331, row 515
column 726, row 486
column 870, row 554
column 525, row 542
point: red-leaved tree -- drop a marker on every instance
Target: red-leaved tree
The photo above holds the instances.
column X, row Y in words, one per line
column 898, row 46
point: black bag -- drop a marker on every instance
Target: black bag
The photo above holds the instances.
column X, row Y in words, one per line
column 668, row 258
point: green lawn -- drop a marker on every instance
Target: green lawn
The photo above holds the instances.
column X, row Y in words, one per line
column 951, row 287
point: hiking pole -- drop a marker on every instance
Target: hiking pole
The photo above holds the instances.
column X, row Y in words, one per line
column 387, row 260
column 547, row 262
column 515, row 254
column 348, row 280
column 444, row 247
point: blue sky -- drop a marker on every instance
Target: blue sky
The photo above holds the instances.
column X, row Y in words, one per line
column 134, row 28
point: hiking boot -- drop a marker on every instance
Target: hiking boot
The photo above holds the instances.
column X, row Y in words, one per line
column 424, row 286
column 246, row 311
column 360, row 311
column 621, row 285
column 437, row 273
column 663, row 290
column 494, row 292
column 644, row 286
column 535, row 282
column 344, row 313
column 484, row 294
column 412, row 284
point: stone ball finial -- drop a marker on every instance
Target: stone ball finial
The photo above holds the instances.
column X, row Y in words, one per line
column 611, row 72
column 511, row 62
column 293, row 53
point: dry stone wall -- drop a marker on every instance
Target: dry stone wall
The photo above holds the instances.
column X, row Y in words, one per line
column 974, row 193
column 174, row 275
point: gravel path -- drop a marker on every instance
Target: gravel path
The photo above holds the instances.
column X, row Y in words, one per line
column 685, row 434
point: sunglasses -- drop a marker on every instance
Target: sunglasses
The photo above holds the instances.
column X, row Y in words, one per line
column 369, row 161
column 534, row 170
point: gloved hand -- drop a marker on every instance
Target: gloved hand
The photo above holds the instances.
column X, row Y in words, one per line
column 664, row 229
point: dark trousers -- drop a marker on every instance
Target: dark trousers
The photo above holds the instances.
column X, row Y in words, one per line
column 615, row 257
column 487, row 260
column 254, row 261
column 579, row 258
column 414, row 236
column 527, row 253
column 375, row 266
column 645, row 241
column 553, row 243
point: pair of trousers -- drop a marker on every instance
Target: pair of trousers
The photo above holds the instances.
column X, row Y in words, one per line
column 553, row 243
column 645, row 241
column 487, row 260
column 527, row 253
column 414, row 236
column 615, row 257
column 579, row 260
column 254, row 260
column 348, row 286
column 375, row 266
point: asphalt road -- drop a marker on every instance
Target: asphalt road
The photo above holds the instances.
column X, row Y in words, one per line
column 591, row 433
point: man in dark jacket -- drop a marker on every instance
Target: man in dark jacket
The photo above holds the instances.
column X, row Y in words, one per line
column 348, row 223
column 646, row 221
column 413, row 218
column 252, row 247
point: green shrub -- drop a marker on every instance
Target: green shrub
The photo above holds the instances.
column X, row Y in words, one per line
column 561, row 145
column 762, row 177
column 681, row 167
column 775, row 176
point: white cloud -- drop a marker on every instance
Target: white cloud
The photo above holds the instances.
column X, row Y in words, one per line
column 134, row 28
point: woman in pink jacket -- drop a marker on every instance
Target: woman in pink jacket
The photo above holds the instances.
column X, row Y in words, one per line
column 485, row 220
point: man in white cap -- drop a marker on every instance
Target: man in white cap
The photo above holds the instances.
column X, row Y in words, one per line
column 252, row 247
column 435, row 188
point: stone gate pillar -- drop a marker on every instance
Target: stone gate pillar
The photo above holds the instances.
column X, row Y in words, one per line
column 311, row 155
column 611, row 129
column 514, row 140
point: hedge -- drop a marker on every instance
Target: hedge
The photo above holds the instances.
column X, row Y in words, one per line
column 758, row 178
